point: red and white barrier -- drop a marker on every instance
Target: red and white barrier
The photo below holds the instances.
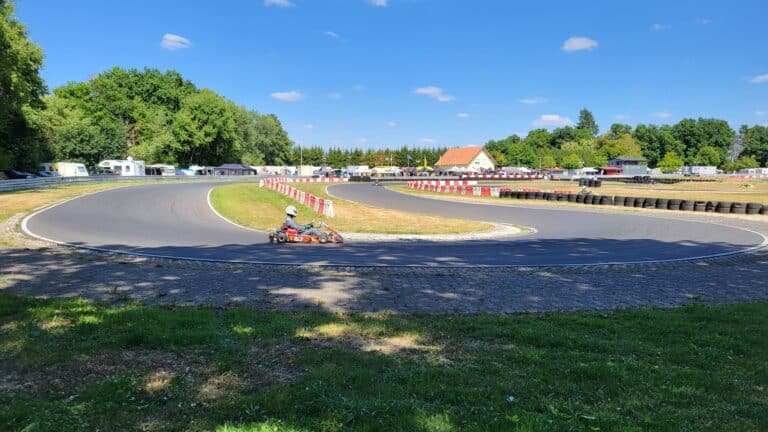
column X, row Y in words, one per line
column 749, row 176
column 504, row 176
column 309, row 180
column 320, row 205
column 459, row 189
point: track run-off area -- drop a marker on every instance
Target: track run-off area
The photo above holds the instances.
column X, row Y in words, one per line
column 176, row 221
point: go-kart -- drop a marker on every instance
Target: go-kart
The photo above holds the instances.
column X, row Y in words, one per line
column 289, row 235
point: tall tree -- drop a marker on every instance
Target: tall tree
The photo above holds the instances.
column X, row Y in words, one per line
column 755, row 143
column 587, row 122
column 21, row 90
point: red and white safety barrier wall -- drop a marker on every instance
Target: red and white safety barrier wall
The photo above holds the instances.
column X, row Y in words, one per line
column 320, row 205
column 309, row 180
column 750, row 176
column 458, row 189
column 504, row 176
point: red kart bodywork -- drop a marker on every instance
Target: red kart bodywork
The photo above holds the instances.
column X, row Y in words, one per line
column 290, row 235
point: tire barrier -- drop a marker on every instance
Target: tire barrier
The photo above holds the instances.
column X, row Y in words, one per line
column 634, row 202
column 724, row 207
column 649, row 203
column 754, row 208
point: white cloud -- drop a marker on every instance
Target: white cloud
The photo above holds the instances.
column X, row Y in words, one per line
column 379, row 3
column 362, row 141
column 391, row 124
column 428, row 141
column 621, row 117
column 659, row 27
column 533, row 100
column 173, row 42
column 662, row 114
column 552, row 120
column 704, row 21
column 358, row 87
column 462, row 115
column 308, row 126
column 435, row 93
column 279, row 3
column 760, row 79
column 761, row 113
column 332, row 35
column 335, row 96
column 579, row 43
column 288, row 96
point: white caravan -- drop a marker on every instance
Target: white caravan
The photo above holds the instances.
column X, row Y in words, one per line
column 65, row 169
column 127, row 167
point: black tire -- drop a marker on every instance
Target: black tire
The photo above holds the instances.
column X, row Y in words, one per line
column 711, row 206
column 629, row 202
column 754, row 208
column 674, row 204
column 580, row 198
column 530, row 195
column 724, row 207
column 639, row 202
column 562, row 197
column 764, row 210
column 538, row 195
column 700, row 206
column 596, row 199
column 618, row 200
column 282, row 237
column 738, row 208
column 572, row 198
column 606, row 200
column 649, row 203
column 322, row 238
column 662, row 203
column 551, row 197
column 687, row 205
column 598, row 183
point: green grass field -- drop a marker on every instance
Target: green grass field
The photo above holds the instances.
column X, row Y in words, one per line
column 74, row 366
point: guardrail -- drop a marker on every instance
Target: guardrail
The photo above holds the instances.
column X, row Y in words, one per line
column 43, row 182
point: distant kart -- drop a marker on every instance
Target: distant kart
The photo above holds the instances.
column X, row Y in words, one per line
column 290, row 235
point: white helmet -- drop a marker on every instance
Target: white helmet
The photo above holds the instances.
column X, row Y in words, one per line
column 291, row 211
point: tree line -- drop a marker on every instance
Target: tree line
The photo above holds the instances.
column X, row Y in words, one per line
column 702, row 141
column 159, row 117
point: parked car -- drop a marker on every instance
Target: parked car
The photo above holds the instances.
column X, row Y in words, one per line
column 47, row 174
column 14, row 175
column 99, row 171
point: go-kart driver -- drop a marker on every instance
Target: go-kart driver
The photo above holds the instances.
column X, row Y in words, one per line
column 290, row 222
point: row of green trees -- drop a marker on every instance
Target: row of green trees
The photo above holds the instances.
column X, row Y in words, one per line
column 148, row 114
column 702, row 141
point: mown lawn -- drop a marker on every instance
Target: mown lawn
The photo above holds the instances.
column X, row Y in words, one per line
column 74, row 366
column 263, row 209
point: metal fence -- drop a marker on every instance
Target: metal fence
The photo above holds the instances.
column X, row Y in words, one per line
column 40, row 183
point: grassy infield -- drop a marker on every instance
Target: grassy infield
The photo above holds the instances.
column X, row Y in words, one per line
column 68, row 365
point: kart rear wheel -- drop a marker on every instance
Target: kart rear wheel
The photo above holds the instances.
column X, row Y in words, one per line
column 282, row 237
column 322, row 238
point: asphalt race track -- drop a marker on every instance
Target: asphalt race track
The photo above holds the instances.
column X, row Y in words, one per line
column 174, row 220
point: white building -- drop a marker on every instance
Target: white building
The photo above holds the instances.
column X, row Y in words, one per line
column 126, row 167
column 699, row 170
column 466, row 159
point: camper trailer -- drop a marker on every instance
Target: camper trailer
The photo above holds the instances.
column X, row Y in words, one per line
column 127, row 167
column 160, row 170
column 65, row 169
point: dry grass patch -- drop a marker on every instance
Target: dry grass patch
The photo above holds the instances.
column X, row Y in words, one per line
column 158, row 381
column 218, row 387
column 56, row 323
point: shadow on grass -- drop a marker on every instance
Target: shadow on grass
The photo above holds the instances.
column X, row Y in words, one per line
column 238, row 369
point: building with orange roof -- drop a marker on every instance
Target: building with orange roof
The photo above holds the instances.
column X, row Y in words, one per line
column 474, row 158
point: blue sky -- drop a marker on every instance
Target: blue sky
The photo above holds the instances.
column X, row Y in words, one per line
column 373, row 73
